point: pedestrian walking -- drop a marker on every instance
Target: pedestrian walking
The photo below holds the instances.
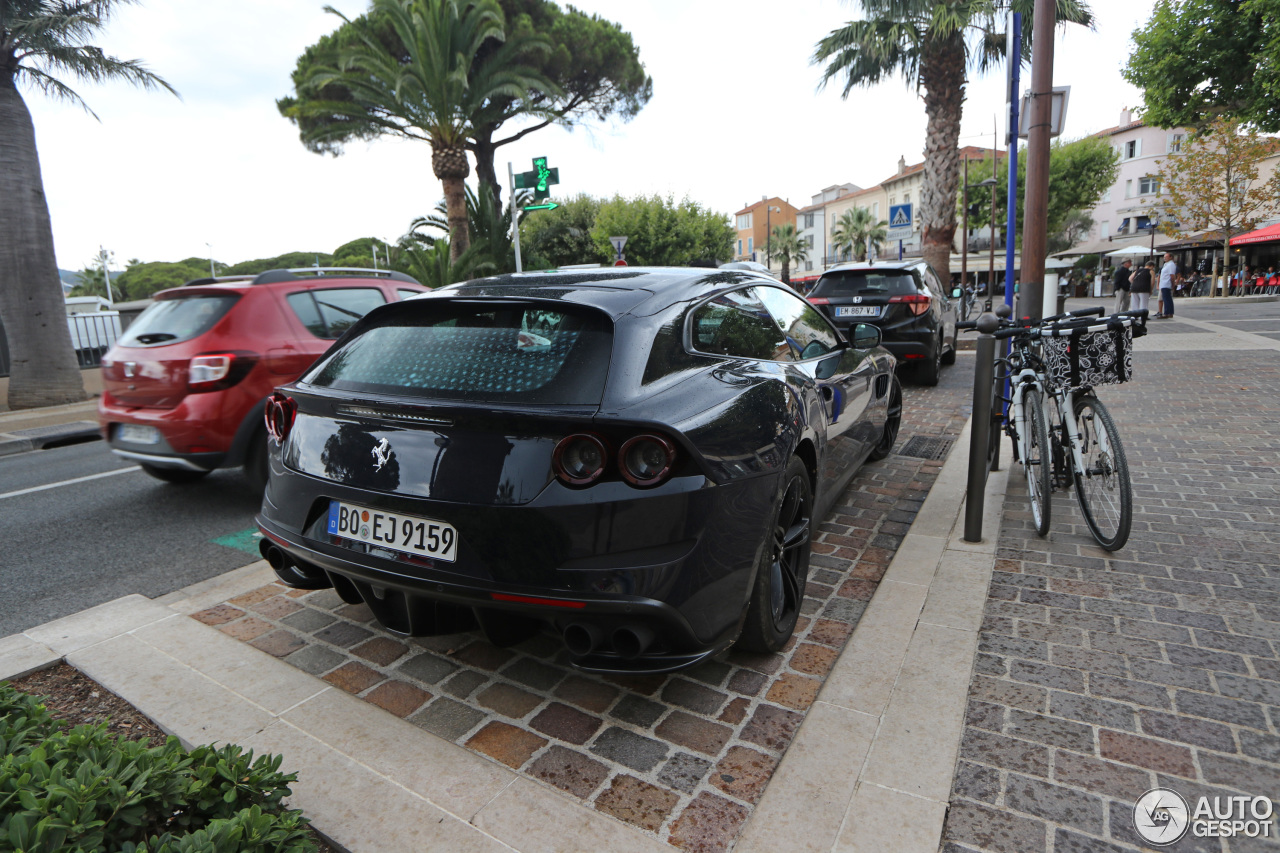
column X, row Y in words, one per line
column 1167, row 274
column 1120, row 286
column 1140, row 286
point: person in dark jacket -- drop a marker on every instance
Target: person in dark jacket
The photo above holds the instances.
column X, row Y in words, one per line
column 1140, row 286
column 1121, row 286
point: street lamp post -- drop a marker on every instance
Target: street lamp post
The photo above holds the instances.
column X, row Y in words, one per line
column 991, row 237
column 105, row 257
column 964, row 241
column 768, row 235
column 212, row 273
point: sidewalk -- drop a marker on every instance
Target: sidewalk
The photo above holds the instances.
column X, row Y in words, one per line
column 872, row 760
column 32, row 429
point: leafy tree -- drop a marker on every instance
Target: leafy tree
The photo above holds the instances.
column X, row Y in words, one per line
column 785, row 246
column 289, row 260
column 931, row 43
column 41, row 43
column 434, row 266
column 143, row 280
column 593, row 70
column 1214, row 184
column 855, row 228
column 432, row 91
column 490, row 226
column 662, row 233
column 555, row 238
column 1079, row 173
column 1200, row 59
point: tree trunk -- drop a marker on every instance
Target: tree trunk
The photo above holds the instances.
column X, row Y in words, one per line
column 449, row 162
column 786, row 269
column 942, row 76
column 43, row 369
column 486, row 151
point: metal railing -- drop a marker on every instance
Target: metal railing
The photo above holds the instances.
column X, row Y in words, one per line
column 92, row 335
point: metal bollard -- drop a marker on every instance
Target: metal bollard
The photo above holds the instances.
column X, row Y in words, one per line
column 984, row 376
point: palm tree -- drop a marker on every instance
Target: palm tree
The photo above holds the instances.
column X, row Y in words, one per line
column 786, row 245
column 41, row 42
column 855, row 229
column 435, row 91
column 932, row 43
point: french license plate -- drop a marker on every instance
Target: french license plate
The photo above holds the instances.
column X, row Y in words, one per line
column 137, row 434
column 409, row 534
column 858, row 311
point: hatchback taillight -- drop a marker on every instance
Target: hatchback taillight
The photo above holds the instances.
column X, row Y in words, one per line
column 280, row 413
column 646, row 460
column 917, row 303
column 579, row 459
column 215, row 371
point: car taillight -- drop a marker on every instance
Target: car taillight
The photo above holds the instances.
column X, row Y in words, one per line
column 579, row 459
column 215, row 371
column 280, row 414
column 819, row 300
column 917, row 303
column 646, row 460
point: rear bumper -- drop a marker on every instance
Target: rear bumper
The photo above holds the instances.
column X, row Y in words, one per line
column 197, row 434
column 554, row 560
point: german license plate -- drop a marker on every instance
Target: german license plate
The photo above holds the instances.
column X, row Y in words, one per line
column 409, row 534
column 137, row 434
column 858, row 311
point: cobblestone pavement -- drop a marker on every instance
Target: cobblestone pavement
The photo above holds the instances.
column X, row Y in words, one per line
column 685, row 756
column 1102, row 676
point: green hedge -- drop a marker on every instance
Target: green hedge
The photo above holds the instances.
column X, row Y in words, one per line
column 82, row 790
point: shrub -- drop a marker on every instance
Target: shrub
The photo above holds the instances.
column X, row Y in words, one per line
column 83, row 790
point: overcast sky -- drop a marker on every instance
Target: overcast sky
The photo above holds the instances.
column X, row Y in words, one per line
column 735, row 115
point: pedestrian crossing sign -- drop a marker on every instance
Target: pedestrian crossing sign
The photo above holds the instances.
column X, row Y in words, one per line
column 899, row 216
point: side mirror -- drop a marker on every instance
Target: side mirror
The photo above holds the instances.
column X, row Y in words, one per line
column 865, row 336
column 956, row 293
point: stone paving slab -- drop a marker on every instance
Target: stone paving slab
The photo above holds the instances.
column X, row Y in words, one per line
column 1100, row 676
column 684, row 757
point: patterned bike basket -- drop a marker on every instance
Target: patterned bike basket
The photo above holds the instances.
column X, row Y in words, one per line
column 1090, row 358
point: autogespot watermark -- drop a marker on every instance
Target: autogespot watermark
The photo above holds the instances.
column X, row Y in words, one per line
column 1162, row 816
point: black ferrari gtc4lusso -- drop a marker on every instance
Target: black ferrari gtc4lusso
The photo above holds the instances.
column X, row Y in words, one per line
column 636, row 457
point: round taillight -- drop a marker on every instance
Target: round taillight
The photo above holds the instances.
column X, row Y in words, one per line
column 646, row 460
column 580, row 459
column 280, row 413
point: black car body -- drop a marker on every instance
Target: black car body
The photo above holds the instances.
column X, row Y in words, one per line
column 905, row 299
column 617, row 453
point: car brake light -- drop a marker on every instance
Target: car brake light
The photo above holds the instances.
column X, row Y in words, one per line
column 917, row 303
column 215, row 371
column 819, row 300
column 646, row 460
column 280, row 413
column 579, row 459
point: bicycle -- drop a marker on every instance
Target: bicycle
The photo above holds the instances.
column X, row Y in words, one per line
column 1052, row 368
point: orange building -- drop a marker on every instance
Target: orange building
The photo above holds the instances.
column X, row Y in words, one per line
column 753, row 224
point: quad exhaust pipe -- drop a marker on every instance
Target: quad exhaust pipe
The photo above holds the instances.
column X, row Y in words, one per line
column 581, row 639
column 629, row 642
column 293, row 572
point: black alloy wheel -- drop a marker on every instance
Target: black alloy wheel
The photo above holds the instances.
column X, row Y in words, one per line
column 892, row 422
column 783, row 570
column 949, row 357
column 930, row 370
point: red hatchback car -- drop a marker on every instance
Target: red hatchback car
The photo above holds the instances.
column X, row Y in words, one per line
column 184, row 387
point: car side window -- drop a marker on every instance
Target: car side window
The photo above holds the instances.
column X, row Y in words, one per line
column 406, row 293
column 807, row 331
column 737, row 324
column 329, row 313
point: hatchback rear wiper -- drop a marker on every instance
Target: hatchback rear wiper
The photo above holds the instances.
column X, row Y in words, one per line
column 155, row 337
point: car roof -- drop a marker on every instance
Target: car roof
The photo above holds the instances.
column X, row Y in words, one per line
column 615, row 290
column 860, row 266
column 310, row 277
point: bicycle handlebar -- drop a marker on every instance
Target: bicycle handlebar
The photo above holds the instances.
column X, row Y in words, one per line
column 1079, row 312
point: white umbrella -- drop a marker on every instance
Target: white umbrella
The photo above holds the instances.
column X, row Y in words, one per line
column 1057, row 264
column 1131, row 250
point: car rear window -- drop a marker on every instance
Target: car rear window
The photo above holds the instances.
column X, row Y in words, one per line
column 329, row 313
column 469, row 351
column 171, row 321
column 865, row 283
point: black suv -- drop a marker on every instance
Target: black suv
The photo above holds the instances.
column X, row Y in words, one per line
column 904, row 298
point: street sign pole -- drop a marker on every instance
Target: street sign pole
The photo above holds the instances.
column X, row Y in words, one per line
column 515, row 215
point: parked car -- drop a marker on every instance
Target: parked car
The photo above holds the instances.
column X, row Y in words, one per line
column 905, row 299
column 184, row 386
column 636, row 457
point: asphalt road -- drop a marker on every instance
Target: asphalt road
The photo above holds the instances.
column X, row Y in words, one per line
column 77, row 544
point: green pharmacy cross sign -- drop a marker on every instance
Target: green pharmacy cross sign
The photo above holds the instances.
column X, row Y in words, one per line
column 539, row 180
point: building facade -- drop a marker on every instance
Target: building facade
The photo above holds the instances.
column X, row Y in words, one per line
column 753, row 224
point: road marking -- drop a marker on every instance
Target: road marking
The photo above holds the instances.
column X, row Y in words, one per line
column 71, row 482
column 244, row 540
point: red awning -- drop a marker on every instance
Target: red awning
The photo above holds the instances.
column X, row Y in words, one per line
column 1270, row 234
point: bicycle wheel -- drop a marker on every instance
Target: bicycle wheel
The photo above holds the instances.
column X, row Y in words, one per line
column 1103, row 488
column 1037, row 460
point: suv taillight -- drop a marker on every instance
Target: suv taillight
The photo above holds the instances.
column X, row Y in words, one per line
column 215, row 371
column 646, row 460
column 280, row 413
column 819, row 300
column 917, row 303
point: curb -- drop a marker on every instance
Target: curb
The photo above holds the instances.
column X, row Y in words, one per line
column 38, row 438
